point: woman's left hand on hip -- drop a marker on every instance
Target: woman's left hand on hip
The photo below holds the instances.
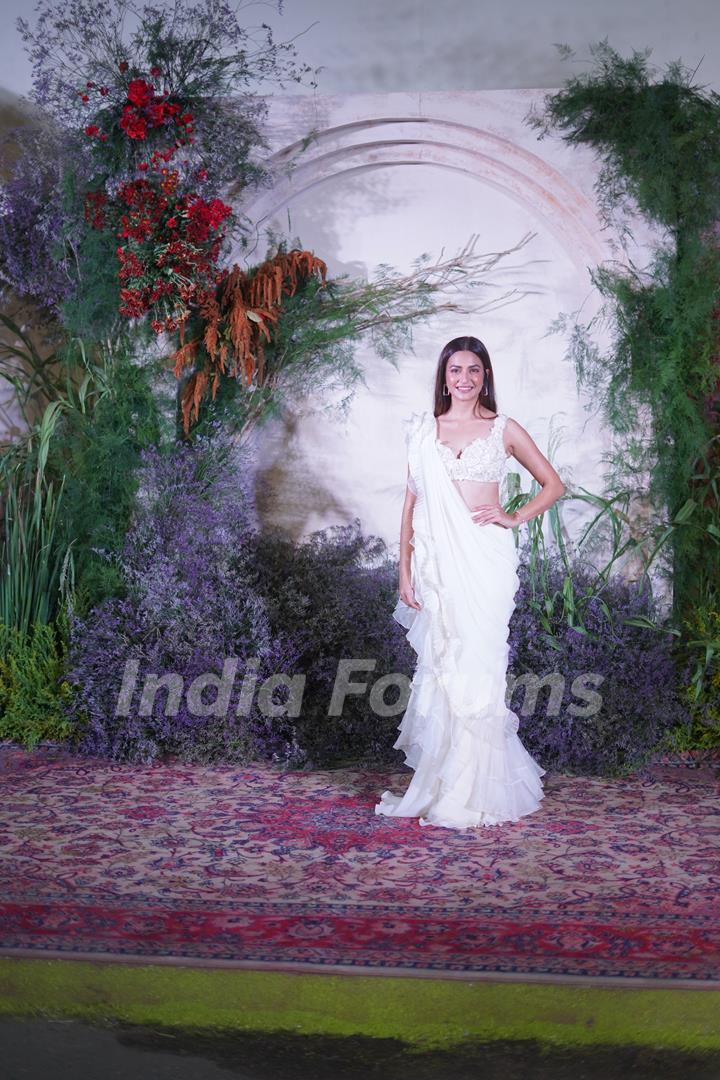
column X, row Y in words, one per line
column 492, row 514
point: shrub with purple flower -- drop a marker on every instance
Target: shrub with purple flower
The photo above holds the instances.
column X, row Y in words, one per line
column 630, row 667
column 203, row 585
column 192, row 602
column 37, row 234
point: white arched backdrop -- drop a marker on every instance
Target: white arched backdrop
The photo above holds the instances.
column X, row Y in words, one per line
column 384, row 178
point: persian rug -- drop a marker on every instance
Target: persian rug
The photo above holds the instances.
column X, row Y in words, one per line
column 611, row 879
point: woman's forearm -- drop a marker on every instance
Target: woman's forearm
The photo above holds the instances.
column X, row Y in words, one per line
column 545, row 498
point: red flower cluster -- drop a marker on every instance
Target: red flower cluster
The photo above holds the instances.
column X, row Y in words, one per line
column 145, row 109
column 171, row 248
column 169, row 238
column 92, row 130
column 142, row 110
column 95, row 203
column 204, row 218
column 145, row 207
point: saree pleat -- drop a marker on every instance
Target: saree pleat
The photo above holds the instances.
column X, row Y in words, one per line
column 457, row 733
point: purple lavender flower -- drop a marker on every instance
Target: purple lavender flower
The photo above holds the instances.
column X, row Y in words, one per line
column 637, row 676
column 37, row 231
column 192, row 602
column 203, row 585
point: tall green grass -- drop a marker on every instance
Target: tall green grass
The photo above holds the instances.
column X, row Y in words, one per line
column 35, row 566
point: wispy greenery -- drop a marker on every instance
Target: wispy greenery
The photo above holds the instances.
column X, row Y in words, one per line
column 97, row 450
column 311, row 356
column 658, row 143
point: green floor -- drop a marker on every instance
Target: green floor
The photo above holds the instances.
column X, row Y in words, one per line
column 426, row 1013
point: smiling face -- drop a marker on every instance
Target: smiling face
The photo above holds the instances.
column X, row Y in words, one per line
column 464, row 375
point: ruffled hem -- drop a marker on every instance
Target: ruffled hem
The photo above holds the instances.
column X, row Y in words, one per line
column 514, row 799
column 465, row 776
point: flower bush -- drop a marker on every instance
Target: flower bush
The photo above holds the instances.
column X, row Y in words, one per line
column 201, row 586
column 184, row 64
column 637, row 677
column 172, row 236
column 172, row 241
column 38, row 232
column 189, row 566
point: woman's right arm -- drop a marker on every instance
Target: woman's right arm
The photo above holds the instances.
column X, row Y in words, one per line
column 406, row 532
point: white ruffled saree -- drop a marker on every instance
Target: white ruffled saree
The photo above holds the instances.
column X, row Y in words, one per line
column 457, row 732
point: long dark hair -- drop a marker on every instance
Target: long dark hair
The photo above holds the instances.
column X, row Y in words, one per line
column 486, row 396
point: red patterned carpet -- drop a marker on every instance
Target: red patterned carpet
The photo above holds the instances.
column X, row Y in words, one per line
column 608, row 879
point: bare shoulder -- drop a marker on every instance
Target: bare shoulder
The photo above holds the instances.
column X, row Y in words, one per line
column 515, row 436
column 520, row 444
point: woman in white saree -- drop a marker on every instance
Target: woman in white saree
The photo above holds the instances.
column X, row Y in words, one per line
column 458, row 580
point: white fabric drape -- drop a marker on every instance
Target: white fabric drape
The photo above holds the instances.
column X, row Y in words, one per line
column 457, row 732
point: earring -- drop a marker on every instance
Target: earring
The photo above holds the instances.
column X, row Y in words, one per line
column 446, row 392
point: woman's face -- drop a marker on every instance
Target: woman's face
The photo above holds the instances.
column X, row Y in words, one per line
column 464, row 375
